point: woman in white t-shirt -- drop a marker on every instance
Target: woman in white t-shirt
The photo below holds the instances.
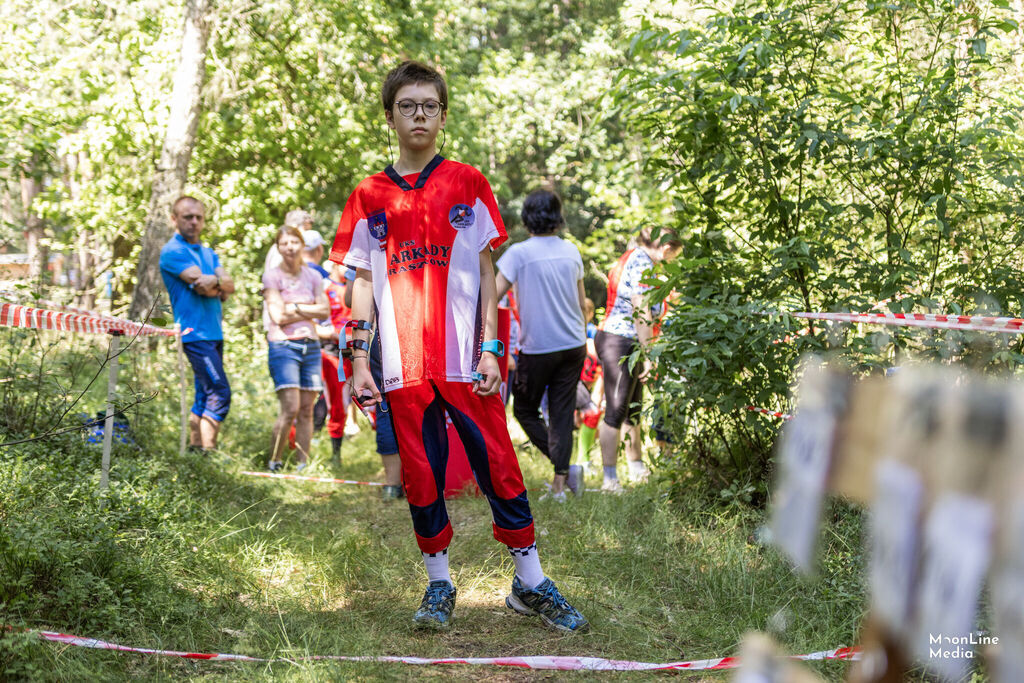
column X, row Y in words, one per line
column 547, row 272
column 295, row 298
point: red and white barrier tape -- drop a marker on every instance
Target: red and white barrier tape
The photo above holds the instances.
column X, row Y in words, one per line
column 323, row 480
column 976, row 323
column 72, row 309
column 14, row 315
column 772, row 413
column 530, row 662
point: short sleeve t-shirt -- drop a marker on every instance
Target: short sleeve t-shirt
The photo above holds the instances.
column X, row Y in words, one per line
column 546, row 270
column 340, row 313
column 201, row 313
column 421, row 238
column 625, row 282
column 303, row 288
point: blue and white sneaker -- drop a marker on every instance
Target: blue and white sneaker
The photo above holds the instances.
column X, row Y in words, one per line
column 438, row 604
column 546, row 602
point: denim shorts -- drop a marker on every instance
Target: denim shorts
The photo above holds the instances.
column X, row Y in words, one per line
column 295, row 364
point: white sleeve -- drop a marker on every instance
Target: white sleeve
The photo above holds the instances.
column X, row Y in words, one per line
column 508, row 264
column 358, row 255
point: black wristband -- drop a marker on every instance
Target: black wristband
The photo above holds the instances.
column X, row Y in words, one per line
column 359, row 344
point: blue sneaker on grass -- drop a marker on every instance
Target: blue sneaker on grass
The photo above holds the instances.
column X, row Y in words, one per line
column 546, row 602
column 438, row 604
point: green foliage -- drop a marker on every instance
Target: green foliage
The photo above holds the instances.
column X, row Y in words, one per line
column 825, row 157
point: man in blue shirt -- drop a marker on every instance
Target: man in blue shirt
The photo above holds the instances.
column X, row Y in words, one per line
column 197, row 284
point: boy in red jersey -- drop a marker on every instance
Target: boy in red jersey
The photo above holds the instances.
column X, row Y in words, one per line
column 420, row 236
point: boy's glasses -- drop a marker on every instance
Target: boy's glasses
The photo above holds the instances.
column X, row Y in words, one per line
column 430, row 108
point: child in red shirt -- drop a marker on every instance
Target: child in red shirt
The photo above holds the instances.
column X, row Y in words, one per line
column 420, row 236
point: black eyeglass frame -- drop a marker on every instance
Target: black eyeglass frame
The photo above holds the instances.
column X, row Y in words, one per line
column 420, row 106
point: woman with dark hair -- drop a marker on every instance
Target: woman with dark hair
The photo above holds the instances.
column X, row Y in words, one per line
column 295, row 298
column 628, row 324
column 547, row 273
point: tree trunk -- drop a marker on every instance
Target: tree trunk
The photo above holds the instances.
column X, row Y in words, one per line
column 31, row 186
column 6, row 210
column 172, row 169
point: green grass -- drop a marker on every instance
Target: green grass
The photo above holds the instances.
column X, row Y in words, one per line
column 191, row 555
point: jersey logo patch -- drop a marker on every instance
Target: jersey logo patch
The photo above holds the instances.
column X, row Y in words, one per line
column 461, row 216
column 378, row 226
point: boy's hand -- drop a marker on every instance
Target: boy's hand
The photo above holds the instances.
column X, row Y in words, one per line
column 488, row 367
column 364, row 390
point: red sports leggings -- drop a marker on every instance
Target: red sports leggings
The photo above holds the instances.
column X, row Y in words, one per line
column 419, row 413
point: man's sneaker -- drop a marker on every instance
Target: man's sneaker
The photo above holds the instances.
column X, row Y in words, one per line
column 639, row 474
column 438, row 604
column 558, row 497
column 301, row 466
column 546, row 602
column 275, row 466
column 575, row 480
column 388, row 492
column 611, row 486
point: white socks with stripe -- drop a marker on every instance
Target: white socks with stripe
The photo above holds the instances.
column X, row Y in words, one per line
column 437, row 566
column 526, row 560
column 527, row 565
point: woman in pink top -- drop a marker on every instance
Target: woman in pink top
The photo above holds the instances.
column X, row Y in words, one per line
column 295, row 298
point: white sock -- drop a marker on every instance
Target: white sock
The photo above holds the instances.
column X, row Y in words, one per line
column 637, row 468
column 527, row 565
column 437, row 566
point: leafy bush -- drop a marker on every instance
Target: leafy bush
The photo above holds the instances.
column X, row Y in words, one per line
column 823, row 157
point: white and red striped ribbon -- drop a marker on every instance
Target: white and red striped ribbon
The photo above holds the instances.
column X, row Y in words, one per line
column 14, row 315
column 543, row 662
column 772, row 413
column 976, row 323
column 324, row 480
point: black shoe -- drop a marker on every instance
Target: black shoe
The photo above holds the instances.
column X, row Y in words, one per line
column 546, row 602
column 193, row 449
column 438, row 604
column 336, row 451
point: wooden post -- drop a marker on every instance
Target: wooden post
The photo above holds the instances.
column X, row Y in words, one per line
column 184, row 398
column 108, row 424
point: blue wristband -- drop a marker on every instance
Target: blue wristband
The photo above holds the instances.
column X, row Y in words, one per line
column 493, row 346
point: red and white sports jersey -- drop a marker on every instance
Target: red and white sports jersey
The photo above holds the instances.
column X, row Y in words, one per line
column 421, row 238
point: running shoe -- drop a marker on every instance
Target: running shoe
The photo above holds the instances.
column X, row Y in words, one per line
column 388, row 492
column 301, row 466
column 576, row 480
column 275, row 466
column 546, row 602
column 438, row 604
column 640, row 474
column 558, row 497
column 611, row 486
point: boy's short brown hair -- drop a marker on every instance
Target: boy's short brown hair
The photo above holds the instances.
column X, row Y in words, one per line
column 410, row 72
